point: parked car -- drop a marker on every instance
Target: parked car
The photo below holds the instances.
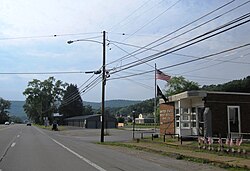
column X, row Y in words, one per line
column 6, row 123
column 12, row 123
column 28, row 123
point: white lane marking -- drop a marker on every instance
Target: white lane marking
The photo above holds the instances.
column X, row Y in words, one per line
column 73, row 152
column 13, row 144
column 79, row 156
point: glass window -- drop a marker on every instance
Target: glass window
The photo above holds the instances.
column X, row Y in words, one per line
column 193, row 109
column 200, row 114
column 185, row 117
column 194, row 124
column 193, row 117
column 185, row 110
column 177, row 124
column 177, row 111
column 185, row 125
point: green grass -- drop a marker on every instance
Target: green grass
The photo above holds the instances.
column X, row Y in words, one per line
column 174, row 155
column 60, row 128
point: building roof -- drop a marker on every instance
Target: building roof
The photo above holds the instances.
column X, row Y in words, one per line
column 200, row 93
column 81, row 117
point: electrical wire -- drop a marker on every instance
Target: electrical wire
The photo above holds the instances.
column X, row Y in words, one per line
column 185, row 62
column 48, row 36
column 192, row 29
column 124, row 19
column 146, row 24
column 42, row 73
column 190, row 42
column 186, row 25
column 177, row 54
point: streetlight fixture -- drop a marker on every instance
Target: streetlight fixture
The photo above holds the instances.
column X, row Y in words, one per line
column 103, row 76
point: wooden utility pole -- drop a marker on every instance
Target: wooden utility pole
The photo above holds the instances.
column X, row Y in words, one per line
column 103, row 85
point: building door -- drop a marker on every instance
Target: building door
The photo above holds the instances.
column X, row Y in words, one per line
column 233, row 119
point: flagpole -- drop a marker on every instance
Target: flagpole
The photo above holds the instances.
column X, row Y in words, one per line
column 155, row 103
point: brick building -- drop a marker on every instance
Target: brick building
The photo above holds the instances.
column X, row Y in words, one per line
column 193, row 113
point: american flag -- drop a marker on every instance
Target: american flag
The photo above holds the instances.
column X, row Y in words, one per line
column 161, row 76
column 227, row 141
column 231, row 142
column 210, row 140
column 240, row 141
column 220, row 141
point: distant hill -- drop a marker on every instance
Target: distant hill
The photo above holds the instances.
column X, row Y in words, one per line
column 17, row 106
column 17, row 109
column 112, row 103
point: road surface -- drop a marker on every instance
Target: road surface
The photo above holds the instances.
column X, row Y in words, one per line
column 33, row 149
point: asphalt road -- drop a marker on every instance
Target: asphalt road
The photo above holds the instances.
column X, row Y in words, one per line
column 30, row 148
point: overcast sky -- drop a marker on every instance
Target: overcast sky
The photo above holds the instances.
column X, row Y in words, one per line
column 28, row 44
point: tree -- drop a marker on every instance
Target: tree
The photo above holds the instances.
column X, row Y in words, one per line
column 87, row 110
column 242, row 85
column 42, row 98
column 72, row 104
column 180, row 84
column 4, row 106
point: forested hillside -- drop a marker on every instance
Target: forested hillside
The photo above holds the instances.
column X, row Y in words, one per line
column 112, row 103
column 242, row 85
column 16, row 109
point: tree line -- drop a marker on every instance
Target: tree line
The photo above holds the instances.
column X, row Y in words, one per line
column 43, row 98
column 180, row 84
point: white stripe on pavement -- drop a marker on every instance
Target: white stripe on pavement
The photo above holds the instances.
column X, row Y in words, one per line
column 81, row 157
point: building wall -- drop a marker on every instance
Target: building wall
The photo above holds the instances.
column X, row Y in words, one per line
column 218, row 104
column 188, row 119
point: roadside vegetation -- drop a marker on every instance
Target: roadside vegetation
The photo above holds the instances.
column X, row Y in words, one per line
column 189, row 151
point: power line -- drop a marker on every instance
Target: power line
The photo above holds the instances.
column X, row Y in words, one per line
column 72, row 97
column 137, row 9
column 50, row 36
column 186, row 25
column 132, row 55
column 177, row 54
column 190, row 42
column 185, row 62
column 42, row 73
column 153, row 19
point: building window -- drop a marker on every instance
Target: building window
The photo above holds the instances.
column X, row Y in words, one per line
column 184, row 110
column 193, row 109
column 185, row 125
column 185, row 117
column 193, row 117
column 177, row 124
column 177, row 111
column 193, row 124
column 234, row 119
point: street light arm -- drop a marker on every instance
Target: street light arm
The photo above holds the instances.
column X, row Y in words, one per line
column 83, row 40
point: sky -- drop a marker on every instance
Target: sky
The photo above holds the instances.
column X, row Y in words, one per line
column 34, row 35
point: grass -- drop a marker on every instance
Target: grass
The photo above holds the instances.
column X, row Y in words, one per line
column 60, row 128
column 191, row 147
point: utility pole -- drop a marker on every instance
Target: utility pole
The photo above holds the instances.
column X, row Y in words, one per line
column 103, row 85
column 103, row 76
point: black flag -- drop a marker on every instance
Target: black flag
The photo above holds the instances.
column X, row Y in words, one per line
column 159, row 93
